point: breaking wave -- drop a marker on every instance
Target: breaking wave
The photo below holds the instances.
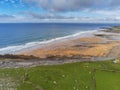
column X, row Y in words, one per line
column 14, row 49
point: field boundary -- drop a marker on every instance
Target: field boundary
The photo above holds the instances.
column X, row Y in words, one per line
column 94, row 72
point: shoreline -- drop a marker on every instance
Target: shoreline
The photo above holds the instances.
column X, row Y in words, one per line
column 34, row 45
column 100, row 42
column 98, row 46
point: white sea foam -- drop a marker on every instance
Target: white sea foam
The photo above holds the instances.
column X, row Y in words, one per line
column 13, row 49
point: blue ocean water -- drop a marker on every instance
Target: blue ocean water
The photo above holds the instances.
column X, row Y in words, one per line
column 16, row 36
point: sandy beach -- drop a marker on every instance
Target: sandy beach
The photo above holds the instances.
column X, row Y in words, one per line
column 98, row 44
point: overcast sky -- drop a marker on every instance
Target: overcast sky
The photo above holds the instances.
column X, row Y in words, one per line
column 59, row 10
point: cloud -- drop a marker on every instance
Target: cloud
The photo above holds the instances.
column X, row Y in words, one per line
column 115, row 3
column 11, row 18
column 103, row 10
column 6, row 17
column 73, row 5
column 53, row 17
column 47, row 15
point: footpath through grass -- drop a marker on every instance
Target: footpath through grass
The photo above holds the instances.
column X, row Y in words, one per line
column 104, row 75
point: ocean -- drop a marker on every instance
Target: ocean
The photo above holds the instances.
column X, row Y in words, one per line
column 17, row 36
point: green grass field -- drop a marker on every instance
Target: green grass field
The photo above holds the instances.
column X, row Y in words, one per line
column 104, row 75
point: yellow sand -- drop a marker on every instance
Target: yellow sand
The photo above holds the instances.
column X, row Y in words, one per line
column 69, row 48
